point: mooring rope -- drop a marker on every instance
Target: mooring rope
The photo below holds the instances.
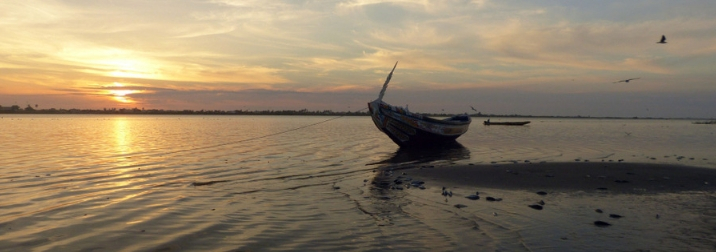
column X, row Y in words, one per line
column 264, row 136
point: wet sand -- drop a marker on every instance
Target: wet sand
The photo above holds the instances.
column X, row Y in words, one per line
column 585, row 206
column 612, row 177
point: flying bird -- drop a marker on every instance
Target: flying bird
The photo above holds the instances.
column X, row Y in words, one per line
column 663, row 40
column 627, row 80
column 473, row 108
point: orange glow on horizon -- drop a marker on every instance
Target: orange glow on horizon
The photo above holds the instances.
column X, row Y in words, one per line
column 122, row 95
column 123, row 99
column 122, row 92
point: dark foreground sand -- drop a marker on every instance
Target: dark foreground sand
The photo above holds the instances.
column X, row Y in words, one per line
column 602, row 176
column 643, row 207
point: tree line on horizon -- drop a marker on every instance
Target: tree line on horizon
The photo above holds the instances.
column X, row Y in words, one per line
column 15, row 109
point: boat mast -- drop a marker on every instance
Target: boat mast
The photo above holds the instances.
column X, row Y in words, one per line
column 385, row 86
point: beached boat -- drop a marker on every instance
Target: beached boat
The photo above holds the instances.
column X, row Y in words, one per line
column 706, row 122
column 413, row 130
column 506, row 123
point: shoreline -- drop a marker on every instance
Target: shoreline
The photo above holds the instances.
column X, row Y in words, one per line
column 135, row 111
column 588, row 176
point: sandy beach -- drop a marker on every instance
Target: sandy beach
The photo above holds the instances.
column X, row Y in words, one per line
column 581, row 206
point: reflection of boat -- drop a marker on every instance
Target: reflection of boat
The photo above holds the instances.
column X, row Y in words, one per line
column 506, row 123
column 414, row 130
column 449, row 152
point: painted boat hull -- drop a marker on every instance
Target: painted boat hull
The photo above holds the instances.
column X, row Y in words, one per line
column 411, row 130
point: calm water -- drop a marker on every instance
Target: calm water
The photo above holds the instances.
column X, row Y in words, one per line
column 246, row 183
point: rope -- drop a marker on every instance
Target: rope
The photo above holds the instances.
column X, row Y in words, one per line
column 265, row 136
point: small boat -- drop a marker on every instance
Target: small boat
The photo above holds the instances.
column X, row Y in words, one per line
column 706, row 122
column 506, row 123
column 413, row 130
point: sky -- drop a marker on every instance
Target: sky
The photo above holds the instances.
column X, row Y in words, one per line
column 537, row 57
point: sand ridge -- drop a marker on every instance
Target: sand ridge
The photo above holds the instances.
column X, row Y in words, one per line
column 584, row 176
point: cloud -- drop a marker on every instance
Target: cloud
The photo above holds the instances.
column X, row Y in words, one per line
column 222, row 48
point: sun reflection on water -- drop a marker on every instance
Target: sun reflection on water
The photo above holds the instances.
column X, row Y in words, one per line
column 122, row 136
column 123, row 149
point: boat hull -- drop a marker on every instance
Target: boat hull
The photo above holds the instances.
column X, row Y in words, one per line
column 410, row 130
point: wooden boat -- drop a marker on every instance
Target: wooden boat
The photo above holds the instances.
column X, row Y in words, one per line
column 506, row 123
column 413, row 130
column 706, row 122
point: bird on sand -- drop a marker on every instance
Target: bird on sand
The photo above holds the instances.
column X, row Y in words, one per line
column 627, row 80
column 663, row 40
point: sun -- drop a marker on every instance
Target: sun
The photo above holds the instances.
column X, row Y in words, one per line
column 123, row 99
column 120, row 94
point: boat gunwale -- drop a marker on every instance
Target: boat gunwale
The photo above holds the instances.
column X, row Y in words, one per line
column 450, row 121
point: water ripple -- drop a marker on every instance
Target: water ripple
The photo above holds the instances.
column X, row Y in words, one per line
column 128, row 183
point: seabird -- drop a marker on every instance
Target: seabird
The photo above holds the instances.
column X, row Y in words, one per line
column 627, row 80
column 663, row 40
column 473, row 108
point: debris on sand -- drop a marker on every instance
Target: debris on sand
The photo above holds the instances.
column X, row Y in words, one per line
column 601, row 224
column 536, row 207
column 473, row 197
column 615, row 216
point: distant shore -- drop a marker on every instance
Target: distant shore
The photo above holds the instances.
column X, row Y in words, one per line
column 362, row 112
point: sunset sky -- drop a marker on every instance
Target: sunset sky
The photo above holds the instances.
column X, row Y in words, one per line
column 533, row 57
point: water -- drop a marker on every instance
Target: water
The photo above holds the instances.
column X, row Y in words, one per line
column 642, row 141
column 245, row 183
